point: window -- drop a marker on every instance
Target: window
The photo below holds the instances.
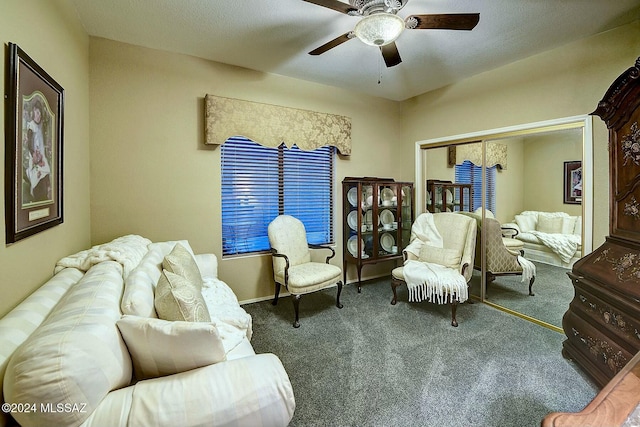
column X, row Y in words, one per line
column 468, row 173
column 260, row 183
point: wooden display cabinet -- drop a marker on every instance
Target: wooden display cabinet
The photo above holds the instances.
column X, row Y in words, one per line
column 377, row 219
column 445, row 196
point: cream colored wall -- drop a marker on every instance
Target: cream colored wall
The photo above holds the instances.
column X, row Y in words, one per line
column 436, row 165
column 544, row 170
column 50, row 33
column 152, row 175
column 564, row 82
column 510, row 181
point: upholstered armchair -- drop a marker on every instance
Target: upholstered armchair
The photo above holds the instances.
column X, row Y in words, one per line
column 292, row 265
column 438, row 261
column 501, row 258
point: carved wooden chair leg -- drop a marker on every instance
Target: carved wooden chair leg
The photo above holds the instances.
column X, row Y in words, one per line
column 454, row 308
column 533, row 279
column 275, row 298
column 338, row 304
column 296, row 310
column 394, row 284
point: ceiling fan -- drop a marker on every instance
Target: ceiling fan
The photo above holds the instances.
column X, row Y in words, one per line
column 380, row 25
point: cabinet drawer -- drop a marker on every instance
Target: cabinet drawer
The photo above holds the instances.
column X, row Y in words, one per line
column 595, row 345
column 622, row 326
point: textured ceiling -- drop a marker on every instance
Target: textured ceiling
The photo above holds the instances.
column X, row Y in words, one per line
column 275, row 36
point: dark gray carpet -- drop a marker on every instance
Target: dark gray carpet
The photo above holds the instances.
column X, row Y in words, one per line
column 374, row 364
column 552, row 288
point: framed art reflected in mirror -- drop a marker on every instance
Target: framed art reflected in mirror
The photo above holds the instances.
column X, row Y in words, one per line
column 33, row 148
column 573, row 182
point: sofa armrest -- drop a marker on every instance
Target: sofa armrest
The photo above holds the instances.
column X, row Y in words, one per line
column 251, row 391
column 208, row 265
column 511, row 225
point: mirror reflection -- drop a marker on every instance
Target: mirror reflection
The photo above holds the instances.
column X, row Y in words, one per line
column 533, row 211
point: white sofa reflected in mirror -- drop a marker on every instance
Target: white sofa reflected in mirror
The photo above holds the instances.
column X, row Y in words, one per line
column 550, row 237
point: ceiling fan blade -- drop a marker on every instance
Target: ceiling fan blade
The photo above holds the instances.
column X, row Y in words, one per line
column 445, row 21
column 333, row 43
column 390, row 54
column 335, row 5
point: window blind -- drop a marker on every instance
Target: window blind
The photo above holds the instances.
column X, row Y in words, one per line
column 260, row 183
column 468, row 173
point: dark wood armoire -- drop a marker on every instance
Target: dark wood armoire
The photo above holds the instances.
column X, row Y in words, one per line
column 603, row 321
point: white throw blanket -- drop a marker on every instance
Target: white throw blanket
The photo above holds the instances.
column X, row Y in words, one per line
column 427, row 280
column 232, row 321
column 563, row 245
column 126, row 250
column 423, row 231
column 434, row 282
column 528, row 269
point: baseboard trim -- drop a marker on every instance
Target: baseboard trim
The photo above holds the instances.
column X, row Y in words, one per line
column 286, row 294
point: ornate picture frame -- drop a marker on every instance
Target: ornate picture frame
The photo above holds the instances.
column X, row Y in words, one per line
column 33, row 148
column 573, row 182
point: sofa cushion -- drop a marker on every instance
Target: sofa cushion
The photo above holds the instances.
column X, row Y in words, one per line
column 577, row 229
column 526, row 223
column 167, row 247
column 548, row 224
column 447, row 257
column 160, row 347
column 181, row 262
column 76, row 356
column 179, row 299
column 139, row 286
column 569, row 224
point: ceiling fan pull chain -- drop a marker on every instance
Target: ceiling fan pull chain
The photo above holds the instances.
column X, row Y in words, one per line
column 379, row 69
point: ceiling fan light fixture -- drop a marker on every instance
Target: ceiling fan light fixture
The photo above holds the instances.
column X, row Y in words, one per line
column 379, row 29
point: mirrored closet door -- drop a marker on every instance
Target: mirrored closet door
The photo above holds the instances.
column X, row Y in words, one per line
column 535, row 184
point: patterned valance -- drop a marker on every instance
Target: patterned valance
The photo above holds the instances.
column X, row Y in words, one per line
column 271, row 125
column 496, row 154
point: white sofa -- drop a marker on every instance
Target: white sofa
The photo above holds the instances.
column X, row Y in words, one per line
column 64, row 361
column 549, row 237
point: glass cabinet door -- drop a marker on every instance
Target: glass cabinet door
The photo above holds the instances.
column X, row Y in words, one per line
column 378, row 214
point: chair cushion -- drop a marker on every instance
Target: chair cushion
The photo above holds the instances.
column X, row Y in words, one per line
column 159, row 347
column 513, row 243
column 181, row 262
column 311, row 276
column 447, row 257
column 398, row 273
column 178, row 299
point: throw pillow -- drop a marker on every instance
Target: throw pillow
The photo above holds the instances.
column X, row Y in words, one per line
column 447, row 257
column 178, row 299
column 569, row 224
column 551, row 225
column 578, row 228
column 181, row 262
column 160, row 347
column 526, row 223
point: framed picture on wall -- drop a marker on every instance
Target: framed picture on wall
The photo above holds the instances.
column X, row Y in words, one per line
column 573, row 182
column 33, row 148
